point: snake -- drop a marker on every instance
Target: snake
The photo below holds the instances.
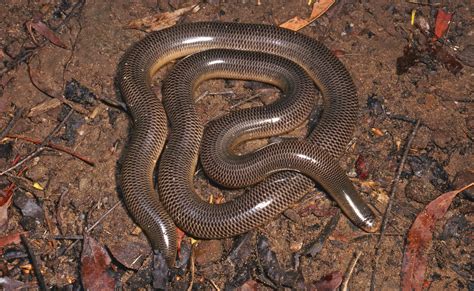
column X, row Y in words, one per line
column 177, row 202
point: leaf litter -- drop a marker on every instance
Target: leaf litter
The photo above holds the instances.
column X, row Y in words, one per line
column 420, row 238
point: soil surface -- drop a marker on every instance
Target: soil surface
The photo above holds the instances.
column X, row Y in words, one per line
column 400, row 77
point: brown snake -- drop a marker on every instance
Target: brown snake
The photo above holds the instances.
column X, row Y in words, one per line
column 315, row 157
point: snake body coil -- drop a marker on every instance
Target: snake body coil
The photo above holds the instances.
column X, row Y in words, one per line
column 266, row 199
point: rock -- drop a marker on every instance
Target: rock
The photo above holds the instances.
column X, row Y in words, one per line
column 421, row 190
column 441, row 138
column 462, row 179
column 38, row 173
column 6, row 150
column 467, row 55
column 422, row 138
column 28, row 206
column 84, row 184
column 130, row 253
column 268, row 96
column 208, row 251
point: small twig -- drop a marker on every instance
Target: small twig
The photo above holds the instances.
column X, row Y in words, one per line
column 205, row 94
column 12, row 122
column 56, row 129
column 89, row 229
column 350, row 270
column 61, row 98
column 214, row 285
column 235, row 105
column 113, row 103
column 245, row 100
column 191, row 281
column 57, row 237
column 24, row 160
column 34, row 262
column 390, row 202
column 54, row 147
column 315, row 246
column 42, row 146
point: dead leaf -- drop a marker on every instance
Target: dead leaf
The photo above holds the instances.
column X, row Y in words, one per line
column 5, row 202
column 9, row 284
column 41, row 28
column 295, row 24
column 319, row 8
column 161, row 20
column 131, row 254
column 443, row 19
column 44, row 106
column 95, row 266
column 12, row 238
column 329, row 282
column 419, row 240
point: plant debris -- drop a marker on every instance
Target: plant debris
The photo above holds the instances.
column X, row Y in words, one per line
column 419, row 240
column 41, row 28
column 95, row 266
column 161, row 20
column 319, row 8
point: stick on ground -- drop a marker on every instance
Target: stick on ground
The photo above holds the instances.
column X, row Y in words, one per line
column 389, row 205
column 34, row 262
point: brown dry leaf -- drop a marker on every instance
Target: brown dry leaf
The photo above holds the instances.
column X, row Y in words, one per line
column 5, row 202
column 319, row 8
column 161, row 20
column 95, row 266
column 12, row 238
column 44, row 106
column 419, row 240
column 330, row 282
column 131, row 254
column 41, row 28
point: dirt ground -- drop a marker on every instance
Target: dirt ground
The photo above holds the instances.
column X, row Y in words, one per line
column 368, row 36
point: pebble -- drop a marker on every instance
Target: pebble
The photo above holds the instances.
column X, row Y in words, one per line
column 441, row 139
column 462, row 179
column 84, row 184
column 422, row 139
column 131, row 254
column 421, row 190
column 208, row 251
column 38, row 173
column 28, row 205
column 467, row 55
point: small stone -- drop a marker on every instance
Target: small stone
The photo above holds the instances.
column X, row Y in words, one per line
column 421, row 190
column 268, row 96
column 38, row 173
column 296, row 246
column 6, row 150
column 292, row 215
column 422, row 138
column 136, row 231
column 131, row 254
column 463, row 178
column 441, row 139
column 467, row 55
column 84, row 184
column 28, row 205
column 208, row 251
